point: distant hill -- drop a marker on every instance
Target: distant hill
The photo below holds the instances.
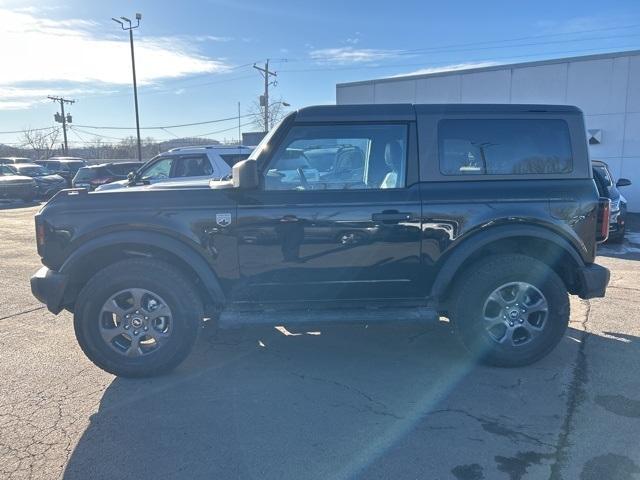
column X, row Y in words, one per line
column 107, row 151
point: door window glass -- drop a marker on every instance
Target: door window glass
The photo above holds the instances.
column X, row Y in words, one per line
column 159, row 170
column 192, row 166
column 339, row 157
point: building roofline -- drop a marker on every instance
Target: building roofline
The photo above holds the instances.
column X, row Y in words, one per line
column 503, row 66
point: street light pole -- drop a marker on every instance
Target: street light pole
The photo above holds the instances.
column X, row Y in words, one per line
column 133, row 66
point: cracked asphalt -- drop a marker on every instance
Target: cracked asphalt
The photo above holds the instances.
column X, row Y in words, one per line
column 380, row 402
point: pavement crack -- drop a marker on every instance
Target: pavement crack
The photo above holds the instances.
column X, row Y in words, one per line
column 491, row 425
column 575, row 397
column 381, row 409
column 23, row 312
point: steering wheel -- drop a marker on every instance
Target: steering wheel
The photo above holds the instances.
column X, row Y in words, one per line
column 303, row 178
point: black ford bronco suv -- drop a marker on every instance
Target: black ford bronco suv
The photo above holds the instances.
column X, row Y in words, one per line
column 485, row 214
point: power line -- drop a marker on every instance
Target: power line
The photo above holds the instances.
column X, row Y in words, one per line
column 32, row 130
column 162, row 127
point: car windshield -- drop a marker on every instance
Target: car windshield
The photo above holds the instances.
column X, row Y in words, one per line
column 4, row 171
column 604, row 172
column 262, row 146
column 32, row 171
column 75, row 166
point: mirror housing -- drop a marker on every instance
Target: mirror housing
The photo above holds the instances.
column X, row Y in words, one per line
column 245, row 174
column 131, row 177
column 623, row 182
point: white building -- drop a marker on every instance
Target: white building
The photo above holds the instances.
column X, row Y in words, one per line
column 606, row 87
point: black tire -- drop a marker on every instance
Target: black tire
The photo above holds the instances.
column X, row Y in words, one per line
column 166, row 283
column 471, row 303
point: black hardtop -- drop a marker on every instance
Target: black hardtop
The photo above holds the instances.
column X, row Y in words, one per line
column 407, row 111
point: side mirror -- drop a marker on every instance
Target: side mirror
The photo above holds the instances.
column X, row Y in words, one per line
column 245, row 174
column 131, row 177
column 623, row 182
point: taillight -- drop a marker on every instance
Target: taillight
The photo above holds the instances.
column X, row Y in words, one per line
column 604, row 211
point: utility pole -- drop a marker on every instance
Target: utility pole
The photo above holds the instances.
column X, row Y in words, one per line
column 239, row 126
column 131, row 27
column 264, row 99
column 62, row 118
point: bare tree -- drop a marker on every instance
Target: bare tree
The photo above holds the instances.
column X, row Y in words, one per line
column 276, row 113
column 43, row 143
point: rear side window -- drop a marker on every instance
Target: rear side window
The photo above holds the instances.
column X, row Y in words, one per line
column 232, row 158
column 504, row 147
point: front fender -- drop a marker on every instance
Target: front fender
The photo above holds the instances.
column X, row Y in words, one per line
column 174, row 246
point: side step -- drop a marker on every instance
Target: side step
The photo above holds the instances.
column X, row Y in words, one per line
column 239, row 318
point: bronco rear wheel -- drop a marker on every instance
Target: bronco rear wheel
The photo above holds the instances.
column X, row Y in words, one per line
column 510, row 310
column 137, row 318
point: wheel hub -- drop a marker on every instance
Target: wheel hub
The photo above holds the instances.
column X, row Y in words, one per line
column 135, row 322
column 515, row 313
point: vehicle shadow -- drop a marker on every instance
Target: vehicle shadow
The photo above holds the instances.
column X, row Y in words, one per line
column 15, row 204
column 334, row 403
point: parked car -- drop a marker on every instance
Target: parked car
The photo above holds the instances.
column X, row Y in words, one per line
column 12, row 160
column 66, row 167
column 618, row 215
column 206, row 162
column 93, row 176
column 13, row 185
column 485, row 214
column 46, row 183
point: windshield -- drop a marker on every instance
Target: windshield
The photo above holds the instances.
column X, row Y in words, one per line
column 263, row 145
column 33, row 171
column 4, row 170
column 604, row 172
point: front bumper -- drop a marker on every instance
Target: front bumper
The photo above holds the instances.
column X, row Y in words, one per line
column 49, row 287
column 593, row 280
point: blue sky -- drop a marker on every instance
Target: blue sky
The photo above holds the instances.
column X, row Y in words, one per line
column 194, row 58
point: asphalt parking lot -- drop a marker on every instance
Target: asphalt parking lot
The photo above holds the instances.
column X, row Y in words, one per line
column 380, row 402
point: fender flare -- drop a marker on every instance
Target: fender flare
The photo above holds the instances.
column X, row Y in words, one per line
column 161, row 241
column 462, row 252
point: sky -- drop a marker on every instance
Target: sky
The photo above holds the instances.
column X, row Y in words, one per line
column 194, row 59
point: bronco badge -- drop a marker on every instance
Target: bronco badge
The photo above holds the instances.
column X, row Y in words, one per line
column 223, row 219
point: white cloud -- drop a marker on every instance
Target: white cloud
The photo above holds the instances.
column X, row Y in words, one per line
column 39, row 50
column 344, row 55
column 447, row 68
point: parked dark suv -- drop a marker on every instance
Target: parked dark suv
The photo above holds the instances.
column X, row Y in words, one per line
column 607, row 188
column 485, row 214
column 95, row 175
column 66, row 167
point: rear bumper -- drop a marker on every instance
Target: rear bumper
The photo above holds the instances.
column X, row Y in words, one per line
column 593, row 280
column 49, row 287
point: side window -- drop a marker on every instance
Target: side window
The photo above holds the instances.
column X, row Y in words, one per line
column 158, row 170
column 192, row 166
column 504, row 147
column 232, row 158
column 339, row 157
column 53, row 166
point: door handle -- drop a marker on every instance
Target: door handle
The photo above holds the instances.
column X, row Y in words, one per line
column 391, row 216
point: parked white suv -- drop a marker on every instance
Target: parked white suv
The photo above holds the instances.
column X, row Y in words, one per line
column 186, row 163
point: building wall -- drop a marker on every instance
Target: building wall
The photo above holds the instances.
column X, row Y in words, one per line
column 605, row 87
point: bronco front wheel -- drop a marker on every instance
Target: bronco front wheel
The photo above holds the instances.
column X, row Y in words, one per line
column 137, row 318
